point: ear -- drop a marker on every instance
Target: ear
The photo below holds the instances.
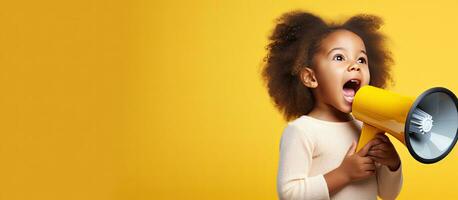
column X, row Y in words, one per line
column 308, row 77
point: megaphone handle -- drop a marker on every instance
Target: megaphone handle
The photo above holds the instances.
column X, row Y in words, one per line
column 368, row 132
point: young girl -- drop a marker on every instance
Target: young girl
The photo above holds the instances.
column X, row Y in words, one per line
column 313, row 70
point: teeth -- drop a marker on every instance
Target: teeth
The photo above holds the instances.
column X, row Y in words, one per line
column 354, row 81
column 349, row 99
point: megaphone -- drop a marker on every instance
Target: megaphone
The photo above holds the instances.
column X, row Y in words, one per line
column 427, row 125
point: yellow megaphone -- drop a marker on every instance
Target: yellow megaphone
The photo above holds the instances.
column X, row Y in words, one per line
column 426, row 125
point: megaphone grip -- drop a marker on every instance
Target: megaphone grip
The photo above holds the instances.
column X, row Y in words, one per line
column 368, row 133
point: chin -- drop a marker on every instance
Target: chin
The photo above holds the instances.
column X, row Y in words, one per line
column 345, row 109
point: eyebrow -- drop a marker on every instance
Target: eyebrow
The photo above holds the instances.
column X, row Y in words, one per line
column 340, row 48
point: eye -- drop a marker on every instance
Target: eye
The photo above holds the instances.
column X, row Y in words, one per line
column 338, row 57
column 362, row 60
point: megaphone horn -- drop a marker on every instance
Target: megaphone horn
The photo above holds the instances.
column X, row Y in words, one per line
column 426, row 125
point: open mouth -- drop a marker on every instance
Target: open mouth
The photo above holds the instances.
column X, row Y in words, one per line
column 350, row 88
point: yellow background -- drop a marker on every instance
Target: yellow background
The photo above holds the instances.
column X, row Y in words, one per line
column 163, row 100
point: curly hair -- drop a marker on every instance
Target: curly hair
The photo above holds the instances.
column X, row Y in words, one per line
column 292, row 44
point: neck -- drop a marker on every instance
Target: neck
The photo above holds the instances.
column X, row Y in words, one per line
column 329, row 113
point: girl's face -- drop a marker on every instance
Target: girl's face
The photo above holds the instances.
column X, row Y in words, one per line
column 341, row 68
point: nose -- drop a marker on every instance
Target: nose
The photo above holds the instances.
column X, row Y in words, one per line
column 353, row 67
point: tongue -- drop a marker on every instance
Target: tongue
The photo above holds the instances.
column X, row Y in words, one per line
column 349, row 92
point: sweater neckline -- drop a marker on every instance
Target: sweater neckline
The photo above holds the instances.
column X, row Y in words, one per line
column 330, row 122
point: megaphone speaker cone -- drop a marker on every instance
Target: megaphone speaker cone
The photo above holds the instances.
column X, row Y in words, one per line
column 432, row 125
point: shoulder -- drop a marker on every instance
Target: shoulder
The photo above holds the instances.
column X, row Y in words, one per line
column 298, row 125
column 299, row 129
column 303, row 123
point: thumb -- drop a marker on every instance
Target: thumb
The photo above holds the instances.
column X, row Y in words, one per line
column 363, row 152
column 352, row 149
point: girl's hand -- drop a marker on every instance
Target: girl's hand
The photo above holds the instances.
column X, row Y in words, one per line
column 357, row 166
column 383, row 152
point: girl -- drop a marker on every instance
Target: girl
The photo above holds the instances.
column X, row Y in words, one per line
column 313, row 70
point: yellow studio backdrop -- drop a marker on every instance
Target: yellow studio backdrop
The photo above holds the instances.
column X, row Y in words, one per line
column 164, row 100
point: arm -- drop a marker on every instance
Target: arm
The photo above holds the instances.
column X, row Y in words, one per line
column 389, row 170
column 336, row 180
column 389, row 182
column 293, row 181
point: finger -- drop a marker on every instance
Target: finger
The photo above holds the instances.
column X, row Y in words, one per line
column 379, row 161
column 367, row 160
column 366, row 147
column 376, row 159
column 376, row 141
column 377, row 153
column 382, row 147
column 369, row 173
column 352, row 149
column 383, row 137
column 369, row 167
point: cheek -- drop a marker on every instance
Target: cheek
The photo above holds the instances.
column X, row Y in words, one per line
column 367, row 77
column 329, row 80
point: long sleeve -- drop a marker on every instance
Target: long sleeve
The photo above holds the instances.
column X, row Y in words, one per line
column 389, row 182
column 293, row 181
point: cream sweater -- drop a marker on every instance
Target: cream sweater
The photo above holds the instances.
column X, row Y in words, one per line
column 309, row 148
